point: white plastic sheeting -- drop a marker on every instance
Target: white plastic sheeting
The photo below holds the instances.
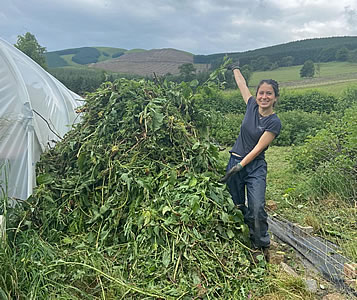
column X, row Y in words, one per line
column 35, row 108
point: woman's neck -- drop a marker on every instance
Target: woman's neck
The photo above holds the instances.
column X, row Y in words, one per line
column 265, row 112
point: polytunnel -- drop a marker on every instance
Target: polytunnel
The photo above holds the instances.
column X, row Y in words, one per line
column 36, row 110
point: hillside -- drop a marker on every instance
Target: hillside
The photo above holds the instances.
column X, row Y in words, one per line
column 333, row 77
column 163, row 61
column 78, row 57
column 317, row 49
column 158, row 61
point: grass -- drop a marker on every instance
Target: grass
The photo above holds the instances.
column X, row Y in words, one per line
column 332, row 78
column 330, row 218
column 288, row 74
column 110, row 50
column 70, row 62
column 333, row 88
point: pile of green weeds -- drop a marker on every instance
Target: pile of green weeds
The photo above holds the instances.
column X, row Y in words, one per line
column 128, row 204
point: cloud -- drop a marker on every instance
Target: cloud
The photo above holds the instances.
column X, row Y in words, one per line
column 201, row 26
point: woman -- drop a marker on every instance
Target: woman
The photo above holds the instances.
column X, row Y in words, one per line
column 247, row 168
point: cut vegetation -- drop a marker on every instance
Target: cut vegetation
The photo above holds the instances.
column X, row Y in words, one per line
column 128, row 205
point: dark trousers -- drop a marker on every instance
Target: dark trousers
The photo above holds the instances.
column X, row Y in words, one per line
column 251, row 181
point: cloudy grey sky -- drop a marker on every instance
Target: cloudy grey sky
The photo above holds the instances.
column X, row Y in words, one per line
column 197, row 26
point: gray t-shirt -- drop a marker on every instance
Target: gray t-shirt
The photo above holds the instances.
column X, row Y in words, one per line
column 252, row 128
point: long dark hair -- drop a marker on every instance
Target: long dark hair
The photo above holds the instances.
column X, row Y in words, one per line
column 274, row 84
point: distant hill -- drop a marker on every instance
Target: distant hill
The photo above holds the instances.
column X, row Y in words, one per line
column 84, row 56
column 158, row 61
column 164, row 61
column 317, row 49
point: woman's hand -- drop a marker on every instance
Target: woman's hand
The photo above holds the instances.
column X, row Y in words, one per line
column 233, row 66
column 238, row 167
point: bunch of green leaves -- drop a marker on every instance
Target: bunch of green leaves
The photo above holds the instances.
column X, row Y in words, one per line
column 136, row 181
column 298, row 125
column 225, row 127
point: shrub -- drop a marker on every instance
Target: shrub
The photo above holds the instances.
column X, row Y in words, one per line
column 348, row 99
column 225, row 127
column 307, row 101
column 322, row 147
column 223, row 102
column 298, row 125
column 335, row 178
column 330, row 159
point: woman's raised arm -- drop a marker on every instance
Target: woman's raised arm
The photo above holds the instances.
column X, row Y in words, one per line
column 242, row 85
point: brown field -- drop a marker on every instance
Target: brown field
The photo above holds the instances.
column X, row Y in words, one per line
column 158, row 61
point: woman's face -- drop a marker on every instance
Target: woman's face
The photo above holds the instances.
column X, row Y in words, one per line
column 266, row 96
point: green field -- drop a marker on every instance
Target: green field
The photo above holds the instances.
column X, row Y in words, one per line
column 332, row 78
column 70, row 62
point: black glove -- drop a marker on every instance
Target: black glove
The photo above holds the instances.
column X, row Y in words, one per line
column 238, row 167
column 233, row 66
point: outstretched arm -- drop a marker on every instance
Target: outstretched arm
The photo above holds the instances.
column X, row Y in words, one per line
column 242, row 85
column 264, row 141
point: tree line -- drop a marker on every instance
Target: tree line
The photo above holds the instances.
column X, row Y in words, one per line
column 293, row 53
column 308, row 53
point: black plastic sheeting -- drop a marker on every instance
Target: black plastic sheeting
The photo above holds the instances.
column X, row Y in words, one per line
column 321, row 253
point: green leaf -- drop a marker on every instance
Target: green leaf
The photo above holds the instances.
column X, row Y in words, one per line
column 125, row 177
column 104, row 208
column 166, row 258
column 173, row 176
column 196, row 145
column 194, row 83
column 81, row 161
column 224, row 217
column 147, row 217
column 44, row 179
column 193, row 182
column 230, row 233
column 67, row 240
column 165, row 210
column 3, row 295
column 196, row 279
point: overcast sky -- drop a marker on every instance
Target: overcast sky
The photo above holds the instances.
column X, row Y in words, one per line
column 197, row 26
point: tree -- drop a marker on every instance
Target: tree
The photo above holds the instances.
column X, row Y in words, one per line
column 274, row 66
column 352, row 56
column 29, row 45
column 187, row 71
column 247, row 73
column 318, row 68
column 342, row 54
column 308, row 69
column 286, row 61
column 327, row 54
column 263, row 63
